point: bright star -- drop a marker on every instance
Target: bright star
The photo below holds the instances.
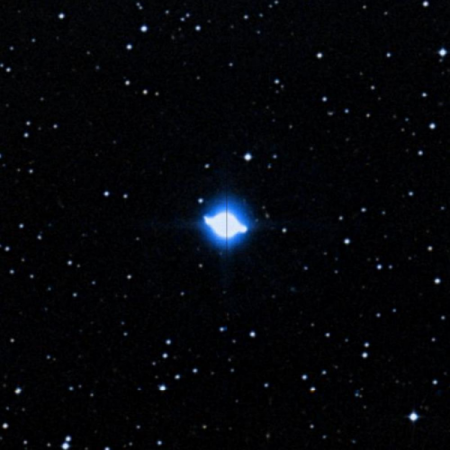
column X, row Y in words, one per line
column 225, row 225
column 443, row 52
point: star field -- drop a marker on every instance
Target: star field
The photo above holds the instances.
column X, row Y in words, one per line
column 224, row 225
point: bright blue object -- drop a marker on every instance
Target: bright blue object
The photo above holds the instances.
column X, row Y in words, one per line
column 226, row 223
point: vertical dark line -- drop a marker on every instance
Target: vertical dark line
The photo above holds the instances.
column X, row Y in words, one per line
column 226, row 208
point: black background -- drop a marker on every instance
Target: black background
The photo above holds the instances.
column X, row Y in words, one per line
column 93, row 286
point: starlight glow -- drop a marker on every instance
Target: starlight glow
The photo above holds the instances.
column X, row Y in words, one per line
column 225, row 225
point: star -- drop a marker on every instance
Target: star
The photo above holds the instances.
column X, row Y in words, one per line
column 225, row 225
column 443, row 52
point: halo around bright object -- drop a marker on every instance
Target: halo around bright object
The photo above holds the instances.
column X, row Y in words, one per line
column 225, row 225
column 226, row 221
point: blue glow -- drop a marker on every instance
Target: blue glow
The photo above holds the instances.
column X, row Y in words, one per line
column 226, row 223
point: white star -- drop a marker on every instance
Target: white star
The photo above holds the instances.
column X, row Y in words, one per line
column 225, row 225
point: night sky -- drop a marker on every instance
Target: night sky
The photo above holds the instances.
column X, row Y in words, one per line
column 126, row 322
